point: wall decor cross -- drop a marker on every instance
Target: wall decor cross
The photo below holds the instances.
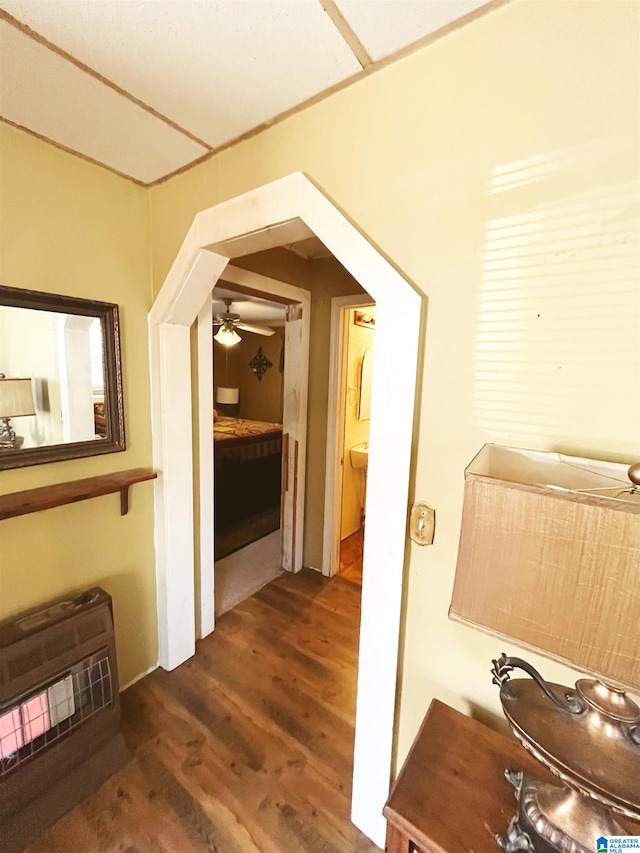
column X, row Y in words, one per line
column 260, row 364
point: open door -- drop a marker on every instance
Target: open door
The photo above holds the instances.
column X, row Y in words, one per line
column 335, row 461
column 294, row 416
column 294, row 434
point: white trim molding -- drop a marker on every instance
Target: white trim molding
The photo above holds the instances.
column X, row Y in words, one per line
column 266, row 217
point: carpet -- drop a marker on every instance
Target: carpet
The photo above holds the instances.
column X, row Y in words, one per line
column 241, row 574
column 243, row 533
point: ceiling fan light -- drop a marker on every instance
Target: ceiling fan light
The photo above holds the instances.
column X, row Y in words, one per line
column 227, row 337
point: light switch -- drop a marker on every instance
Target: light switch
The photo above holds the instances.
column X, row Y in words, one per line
column 423, row 523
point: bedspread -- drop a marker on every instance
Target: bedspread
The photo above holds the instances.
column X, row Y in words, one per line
column 241, row 440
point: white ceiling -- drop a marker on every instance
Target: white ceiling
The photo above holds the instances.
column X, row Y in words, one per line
column 252, row 309
column 147, row 87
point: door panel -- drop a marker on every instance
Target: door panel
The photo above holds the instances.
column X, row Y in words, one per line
column 294, row 428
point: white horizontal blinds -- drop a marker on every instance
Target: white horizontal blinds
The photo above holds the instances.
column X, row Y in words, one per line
column 97, row 363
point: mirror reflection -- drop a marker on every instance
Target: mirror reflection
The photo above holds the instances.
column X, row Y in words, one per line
column 366, row 381
column 57, row 361
column 60, row 384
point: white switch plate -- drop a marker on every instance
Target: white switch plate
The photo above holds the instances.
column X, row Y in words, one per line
column 422, row 524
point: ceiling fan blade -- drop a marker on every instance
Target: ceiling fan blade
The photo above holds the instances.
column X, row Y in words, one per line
column 257, row 330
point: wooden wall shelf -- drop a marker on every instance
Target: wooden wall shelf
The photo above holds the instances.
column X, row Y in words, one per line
column 46, row 497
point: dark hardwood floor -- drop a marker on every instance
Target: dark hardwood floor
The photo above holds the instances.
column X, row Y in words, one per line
column 247, row 746
column 351, row 554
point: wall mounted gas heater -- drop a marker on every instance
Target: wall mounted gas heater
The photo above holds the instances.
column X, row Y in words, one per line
column 60, row 733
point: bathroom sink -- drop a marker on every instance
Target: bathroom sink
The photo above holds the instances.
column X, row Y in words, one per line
column 360, row 455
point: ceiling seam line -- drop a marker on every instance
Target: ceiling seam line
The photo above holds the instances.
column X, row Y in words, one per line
column 86, row 69
column 212, row 151
column 379, row 65
column 72, row 151
column 186, row 166
column 353, row 42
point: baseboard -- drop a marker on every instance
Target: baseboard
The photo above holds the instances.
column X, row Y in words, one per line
column 138, row 677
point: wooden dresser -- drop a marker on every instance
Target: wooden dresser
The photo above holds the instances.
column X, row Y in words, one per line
column 451, row 795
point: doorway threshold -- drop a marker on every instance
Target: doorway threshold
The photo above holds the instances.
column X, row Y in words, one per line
column 246, row 571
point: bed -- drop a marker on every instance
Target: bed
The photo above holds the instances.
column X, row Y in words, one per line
column 248, row 460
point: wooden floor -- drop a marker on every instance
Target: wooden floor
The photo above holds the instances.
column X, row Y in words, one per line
column 247, row 746
column 351, row 551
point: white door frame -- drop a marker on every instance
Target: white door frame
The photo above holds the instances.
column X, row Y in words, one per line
column 294, row 422
column 204, row 592
column 294, row 409
column 276, row 214
column 340, row 305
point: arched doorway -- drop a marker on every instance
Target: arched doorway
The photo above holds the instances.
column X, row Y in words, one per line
column 279, row 214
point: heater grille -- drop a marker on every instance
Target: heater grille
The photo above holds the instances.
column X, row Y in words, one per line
column 90, row 628
column 59, row 645
column 24, row 663
column 60, row 733
column 37, row 721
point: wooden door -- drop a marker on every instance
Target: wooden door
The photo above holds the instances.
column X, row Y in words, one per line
column 294, row 433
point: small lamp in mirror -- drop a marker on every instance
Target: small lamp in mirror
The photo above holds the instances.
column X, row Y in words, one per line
column 16, row 401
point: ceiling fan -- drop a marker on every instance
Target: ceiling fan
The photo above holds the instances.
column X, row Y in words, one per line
column 229, row 323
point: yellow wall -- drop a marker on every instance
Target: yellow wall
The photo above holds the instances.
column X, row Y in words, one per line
column 262, row 399
column 330, row 279
column 359, row 339
column 324, row 278
column 72, row 228
column 498, row 169
column 226, row 366
column 259, row 400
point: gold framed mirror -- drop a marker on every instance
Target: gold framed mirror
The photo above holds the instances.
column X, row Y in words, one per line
column 60, row 378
